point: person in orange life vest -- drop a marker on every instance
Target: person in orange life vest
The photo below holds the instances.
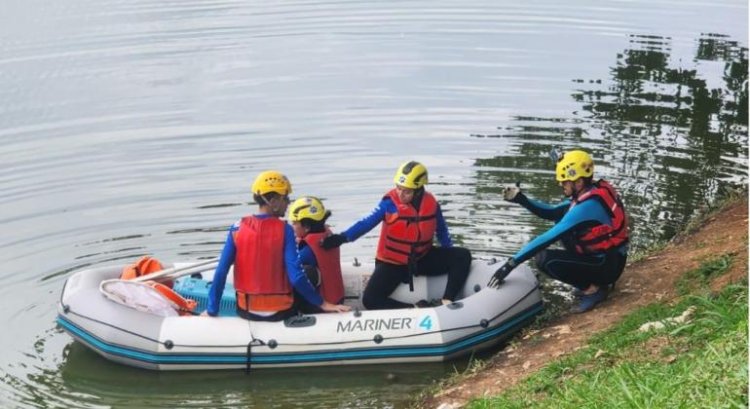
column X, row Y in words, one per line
column 262, row 249
column 411, row 218
column 322, row 267
column 592, row 226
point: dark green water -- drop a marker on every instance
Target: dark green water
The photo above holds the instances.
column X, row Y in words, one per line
column 137, row 127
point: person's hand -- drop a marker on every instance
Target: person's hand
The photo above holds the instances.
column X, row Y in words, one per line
column 511, row 193
column 333, row 241
column 501, row 273
column 328, row 307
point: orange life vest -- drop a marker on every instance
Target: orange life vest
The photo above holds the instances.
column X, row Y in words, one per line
column 329, row 265
column 259, row 273
column 407, row 233
column 604, row 236
column 144, row 266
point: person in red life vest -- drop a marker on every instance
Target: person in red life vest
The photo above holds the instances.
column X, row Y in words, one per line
column 592, row 226
column 263, row 250
column 411, row 219
column 322, row 267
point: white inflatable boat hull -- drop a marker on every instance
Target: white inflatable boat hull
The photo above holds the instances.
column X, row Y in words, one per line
column 482, row 318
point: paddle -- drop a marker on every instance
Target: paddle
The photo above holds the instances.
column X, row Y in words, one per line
column 175, row 272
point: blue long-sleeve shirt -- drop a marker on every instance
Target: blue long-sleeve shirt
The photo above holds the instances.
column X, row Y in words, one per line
column 585, row 214
column 306, row 256
column 298, row 279
column 386, row 205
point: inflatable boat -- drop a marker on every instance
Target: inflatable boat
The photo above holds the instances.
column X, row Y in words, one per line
column 482, row 317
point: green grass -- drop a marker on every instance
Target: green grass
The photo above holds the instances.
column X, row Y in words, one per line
column 697, row 364
column 698, row 279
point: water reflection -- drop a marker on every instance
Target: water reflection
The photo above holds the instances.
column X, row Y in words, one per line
column 379, row 386
column 668, row 136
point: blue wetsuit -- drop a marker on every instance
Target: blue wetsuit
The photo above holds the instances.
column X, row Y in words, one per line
column 601, row 268
column 298, row 279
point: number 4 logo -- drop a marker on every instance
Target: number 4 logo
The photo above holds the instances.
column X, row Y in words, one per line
column 426, row 323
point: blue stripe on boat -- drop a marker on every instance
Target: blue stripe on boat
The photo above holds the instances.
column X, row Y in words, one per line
column 298, row 357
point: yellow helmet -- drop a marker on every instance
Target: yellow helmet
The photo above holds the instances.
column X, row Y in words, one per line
column 307, row 207
column 574, row 165
column 271, row 181
column 411, row 175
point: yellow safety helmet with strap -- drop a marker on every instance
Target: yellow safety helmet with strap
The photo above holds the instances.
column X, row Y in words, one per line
column 411, row 175
column 307, row 207
column 271, row 181
column 574, row 165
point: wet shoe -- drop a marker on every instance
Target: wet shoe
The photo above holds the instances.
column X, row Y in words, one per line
column 589, row 301
column 578, row 293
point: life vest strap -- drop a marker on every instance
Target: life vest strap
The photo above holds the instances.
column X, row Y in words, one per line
column 409, row 242
column 417, row 218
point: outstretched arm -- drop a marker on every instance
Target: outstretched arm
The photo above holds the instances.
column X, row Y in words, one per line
column 590, row 212
column 367, row 223
column 542, row 209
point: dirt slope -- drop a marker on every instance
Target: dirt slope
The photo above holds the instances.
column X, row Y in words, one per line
column 642, row 283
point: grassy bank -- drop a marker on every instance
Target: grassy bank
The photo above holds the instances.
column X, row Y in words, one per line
column 701, row 362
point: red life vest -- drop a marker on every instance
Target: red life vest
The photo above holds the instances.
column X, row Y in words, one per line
column 604, row 236
column 329, row 265
column 407, row 232
column 259, row 273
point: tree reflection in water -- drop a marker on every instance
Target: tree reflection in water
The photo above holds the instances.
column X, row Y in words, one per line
column 669, row 137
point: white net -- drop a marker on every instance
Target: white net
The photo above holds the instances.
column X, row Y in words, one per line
column 139, row 296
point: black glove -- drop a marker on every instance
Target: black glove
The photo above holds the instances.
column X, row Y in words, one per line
column 333, row 241
column 501, row 273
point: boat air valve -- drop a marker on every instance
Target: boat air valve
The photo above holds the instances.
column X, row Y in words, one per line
column 273, row 344
column 357, row 312
column 168, row 344
column 484, row 323
column 378, row 339
column 477, row 287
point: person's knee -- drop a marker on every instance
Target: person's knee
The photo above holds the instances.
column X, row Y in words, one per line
column 463, row 255
column 540, row 258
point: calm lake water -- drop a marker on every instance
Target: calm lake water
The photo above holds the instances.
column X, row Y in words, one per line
column 136, row 127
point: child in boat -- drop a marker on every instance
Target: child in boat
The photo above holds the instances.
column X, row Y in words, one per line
column 322, row 267
column 266, row 269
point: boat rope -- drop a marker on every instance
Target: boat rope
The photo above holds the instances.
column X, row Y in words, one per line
column 248, row 361
column 258, row 342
